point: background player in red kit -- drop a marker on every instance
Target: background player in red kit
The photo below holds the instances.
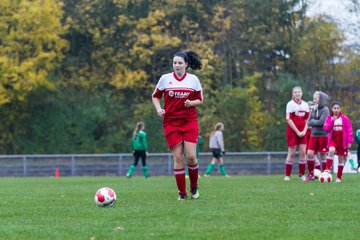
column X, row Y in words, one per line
column 182, row 92
column 318, row 140
column 297, row 112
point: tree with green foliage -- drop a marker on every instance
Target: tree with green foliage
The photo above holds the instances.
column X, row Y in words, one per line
column 77, row 75
column 31, row 49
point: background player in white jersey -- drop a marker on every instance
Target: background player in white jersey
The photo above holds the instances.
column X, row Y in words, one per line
column 182, row 92
column 297, row 113
column 216, row 144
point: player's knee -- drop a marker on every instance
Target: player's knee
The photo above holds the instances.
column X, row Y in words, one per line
column 292, row 156
column 178, row 157
column 191, row 158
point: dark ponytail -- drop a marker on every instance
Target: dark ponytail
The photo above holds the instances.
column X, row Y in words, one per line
column 191, row 58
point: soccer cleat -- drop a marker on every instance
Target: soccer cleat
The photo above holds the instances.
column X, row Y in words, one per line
column 227, row 175
column 302, row 178
column 206, row 175
column 338, row 180
column 310, row 177
column 148, row 177
column 195, row 193
column 128, row 175
column 187, row 176
column 287, row 178
column 182, row 197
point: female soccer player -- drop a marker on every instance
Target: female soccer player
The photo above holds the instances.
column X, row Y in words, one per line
column 340, row 138
column 140, row 149
column 216, row 144
column 297, row 112
column 308, row 136
column 357, row 138
column 182, row 92
column 318, row 139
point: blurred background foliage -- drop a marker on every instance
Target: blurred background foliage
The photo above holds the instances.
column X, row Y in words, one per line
column 76, row 75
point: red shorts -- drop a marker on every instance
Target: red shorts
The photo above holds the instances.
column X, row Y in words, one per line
column 336, row 142
column 318, row 144
column 292, row 138
column 176, row 133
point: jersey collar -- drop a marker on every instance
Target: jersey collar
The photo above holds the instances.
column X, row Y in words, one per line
column 296, row 101
column 179, row 79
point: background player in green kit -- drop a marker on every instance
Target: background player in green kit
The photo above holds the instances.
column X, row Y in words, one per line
column 357, row 139
column 140, row 150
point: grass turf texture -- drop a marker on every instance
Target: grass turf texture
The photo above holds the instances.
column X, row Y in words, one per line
column 240, row 207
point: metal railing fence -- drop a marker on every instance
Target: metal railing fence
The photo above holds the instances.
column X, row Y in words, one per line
column 236, row 163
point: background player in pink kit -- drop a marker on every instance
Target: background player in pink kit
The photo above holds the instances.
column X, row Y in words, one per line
column 340, row 138
column 182, row 92
column 297, row 113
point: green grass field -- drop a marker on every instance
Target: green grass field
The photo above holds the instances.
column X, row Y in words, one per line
column 240, row 207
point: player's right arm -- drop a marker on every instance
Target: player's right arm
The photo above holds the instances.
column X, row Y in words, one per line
column 156, row 96
column 329, row 124
column 293, row 126
column 159, row 110
column 289, row 121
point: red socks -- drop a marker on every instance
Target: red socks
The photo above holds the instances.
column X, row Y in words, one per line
column 323, row 164
column 302, row 167
column 288, row 168
column 329, row 162
column 180, row 180
column 311, row 163
column 193, row 175
column 340, row 170
column 289, row 165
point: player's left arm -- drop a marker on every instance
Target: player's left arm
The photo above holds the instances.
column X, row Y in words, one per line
column 322, row 119
column 198, row 95
column 144, row 141
column 350, row 133
column 306, row 117
column 193, row 103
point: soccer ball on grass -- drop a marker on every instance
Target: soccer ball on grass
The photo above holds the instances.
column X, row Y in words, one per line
column 105, row 197
column 325, row 177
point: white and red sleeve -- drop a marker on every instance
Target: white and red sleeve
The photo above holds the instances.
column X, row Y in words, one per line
column 159, row 89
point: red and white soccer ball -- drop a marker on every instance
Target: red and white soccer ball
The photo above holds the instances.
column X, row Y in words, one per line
column 325, row 177
column 105, row 197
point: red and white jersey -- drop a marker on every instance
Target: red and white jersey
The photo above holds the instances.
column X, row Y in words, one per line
column 298, row 112
column 338, row 124
column 176, row 91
